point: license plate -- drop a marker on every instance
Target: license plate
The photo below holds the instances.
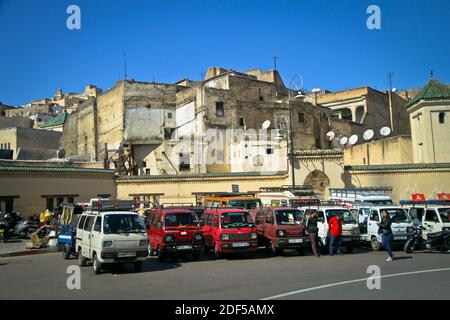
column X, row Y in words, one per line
column 295, row 240
column 184, row 247
column 400, row 238
column 240, row 244
column 126, row 254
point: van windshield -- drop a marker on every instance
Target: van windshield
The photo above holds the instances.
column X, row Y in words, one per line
column 348, row 218
column 445, row 214
column 397, row 215
column 181, row 219
column 289, row 217
column 123, row 223
column 380, row 202
column 245, row 204
column 236, row 219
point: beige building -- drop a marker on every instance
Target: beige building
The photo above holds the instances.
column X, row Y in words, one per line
column 429, row 113
column 31, row 189
column 30, row 144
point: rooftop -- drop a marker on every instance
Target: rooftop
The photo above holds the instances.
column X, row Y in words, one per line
column 59, row 120
column 434, row 90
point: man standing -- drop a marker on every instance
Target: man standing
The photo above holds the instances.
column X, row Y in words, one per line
column 312, row 229
column 335, row 227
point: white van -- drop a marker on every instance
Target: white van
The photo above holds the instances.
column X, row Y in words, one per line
column 402, row 226
column 350, row 231
column 360, row 196
column 111, row 234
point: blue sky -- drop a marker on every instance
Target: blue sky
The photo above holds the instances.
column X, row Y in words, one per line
column 327, row 42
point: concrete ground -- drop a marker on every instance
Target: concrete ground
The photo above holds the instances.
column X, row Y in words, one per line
column 411, row 276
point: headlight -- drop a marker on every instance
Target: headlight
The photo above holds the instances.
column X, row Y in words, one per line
column 410, row 230
column 224, row 236
column 142, row 243
column 253, row 235
column 108, row 244
column 281, row 233
column 198, row 237
column 169, row 238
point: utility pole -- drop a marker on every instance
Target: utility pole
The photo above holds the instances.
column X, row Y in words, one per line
column 390, row 75
column 125, row 64
column 275, row 58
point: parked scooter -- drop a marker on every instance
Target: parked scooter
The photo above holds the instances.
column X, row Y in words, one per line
column 26, row 227
column 9, row 224
column 438, row 241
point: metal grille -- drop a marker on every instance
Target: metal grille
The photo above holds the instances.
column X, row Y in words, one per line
column 242, row 236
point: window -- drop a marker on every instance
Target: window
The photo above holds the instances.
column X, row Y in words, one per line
column 301, row 117
column 59, row 201
column 269, row 151
column 88, row 224
column 71, row 200
column 269, row 217
column 81, row 223
column 431, row 216
column 98, row 224
column 169, row 115
column 241, row 122
column 320, row 217
column 50, row 204
column 219, row 109
column 168, row 133
column 441, row 117
column 147, row 171
column 374, row 216
column 209, row 220
column 259, row 217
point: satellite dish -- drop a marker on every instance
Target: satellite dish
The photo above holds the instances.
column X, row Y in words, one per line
column 353, row 139
column 343, row 140
column 266, row 124
column 385, row 131
column 368, row 134
column 330, row 135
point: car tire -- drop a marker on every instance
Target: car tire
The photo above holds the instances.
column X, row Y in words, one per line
column 96, row 265
column 217, row 253
column 271, row 251
column 196, row 255
column 409, row 246
column 81, row 260
column 161, row 255
column 66, row 251
column 375, row 244
column 138, row 265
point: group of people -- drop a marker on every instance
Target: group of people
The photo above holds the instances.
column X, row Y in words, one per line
column 335, row 233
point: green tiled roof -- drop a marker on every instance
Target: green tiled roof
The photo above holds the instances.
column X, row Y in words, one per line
column 53, row 169
column 434, row 90
column 56, row 121
column 410, row 166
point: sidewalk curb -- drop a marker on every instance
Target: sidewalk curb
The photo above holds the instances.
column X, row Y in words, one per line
column 28, row 252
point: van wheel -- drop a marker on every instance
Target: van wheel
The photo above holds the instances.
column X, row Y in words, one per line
column 376, row 246
column 138, row 265
column 81, row 260
column 196, row 255
column 161, row 255
column 66, row 251
column 217, row 254
column 270, row 249
column 96, row 265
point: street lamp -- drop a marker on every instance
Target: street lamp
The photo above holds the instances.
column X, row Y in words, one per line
column 297, row 79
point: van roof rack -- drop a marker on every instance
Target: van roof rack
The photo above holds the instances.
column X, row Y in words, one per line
column 426, row 202
column 113, row 205
column 227, row 194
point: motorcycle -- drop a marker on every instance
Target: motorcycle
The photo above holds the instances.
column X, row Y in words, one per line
column 26, row 227
column 438, row 241
column 9, row 226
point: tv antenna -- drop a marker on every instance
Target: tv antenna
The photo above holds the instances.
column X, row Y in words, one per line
column 125, row 64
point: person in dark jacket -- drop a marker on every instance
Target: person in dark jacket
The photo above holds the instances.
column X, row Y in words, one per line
column 335, row 227
column 312, row 229
column 386, row 231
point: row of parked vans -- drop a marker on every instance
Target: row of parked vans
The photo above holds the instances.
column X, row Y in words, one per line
column 110, row 232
